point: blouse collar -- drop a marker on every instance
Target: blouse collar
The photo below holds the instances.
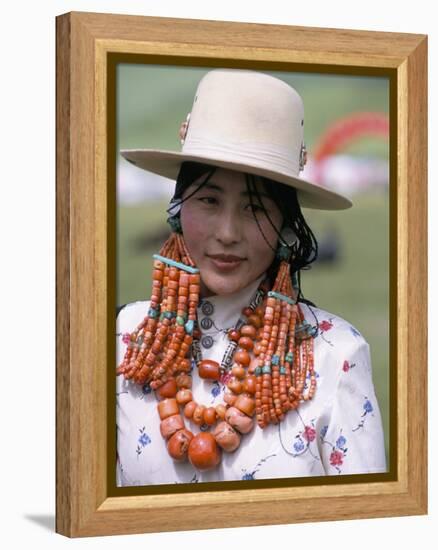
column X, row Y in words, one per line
column 225, row 310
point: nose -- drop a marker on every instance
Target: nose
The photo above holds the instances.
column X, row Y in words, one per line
column 228, row 228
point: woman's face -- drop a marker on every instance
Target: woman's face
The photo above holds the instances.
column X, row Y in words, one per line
column 223, row 237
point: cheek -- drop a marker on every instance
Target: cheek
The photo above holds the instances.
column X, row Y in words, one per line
column 193, row 228
column 263, row 253
column 266, row 232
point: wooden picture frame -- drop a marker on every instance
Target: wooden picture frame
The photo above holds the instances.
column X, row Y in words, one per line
column 88, row 47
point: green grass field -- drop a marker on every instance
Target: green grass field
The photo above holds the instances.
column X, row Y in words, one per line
column 355, row 288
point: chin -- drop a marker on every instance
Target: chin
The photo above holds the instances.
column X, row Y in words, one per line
column 221, row 286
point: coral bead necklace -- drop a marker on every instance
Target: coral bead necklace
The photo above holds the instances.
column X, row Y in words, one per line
column 266, row 363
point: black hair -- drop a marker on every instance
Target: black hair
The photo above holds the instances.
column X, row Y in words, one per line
column 305, row 249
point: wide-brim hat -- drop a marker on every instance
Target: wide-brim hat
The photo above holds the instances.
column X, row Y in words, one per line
column 246, row 121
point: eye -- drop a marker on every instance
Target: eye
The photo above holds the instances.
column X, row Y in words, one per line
column 208, row 200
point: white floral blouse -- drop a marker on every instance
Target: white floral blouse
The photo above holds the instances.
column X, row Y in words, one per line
column 338, row 432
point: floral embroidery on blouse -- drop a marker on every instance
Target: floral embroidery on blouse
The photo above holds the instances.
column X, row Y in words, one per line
column 126, row 338
column 219, row 386
column 339, row 450
column 367, row 408
column 251, row 475
column 309, row 433
column 193, row 480
column 143, row 440
column 355, row 331
column 347, row 366
column 303, row 439
column 215, row 390
column 324, row 326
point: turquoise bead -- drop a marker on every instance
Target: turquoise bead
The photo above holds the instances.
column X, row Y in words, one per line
column 175, row 264
column 189, row 327
column 295, row 280
column 175, row 224
column 283, row 253
column 153, row 313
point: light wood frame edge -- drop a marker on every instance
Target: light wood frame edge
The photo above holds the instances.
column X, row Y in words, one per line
column 83, row 508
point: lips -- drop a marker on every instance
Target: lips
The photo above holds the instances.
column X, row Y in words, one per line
column 225, row 257
column 225, row 262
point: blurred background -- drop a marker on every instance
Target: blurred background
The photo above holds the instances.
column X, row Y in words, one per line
column 346, row 133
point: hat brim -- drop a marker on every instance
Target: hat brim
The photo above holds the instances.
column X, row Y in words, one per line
column 168, row 163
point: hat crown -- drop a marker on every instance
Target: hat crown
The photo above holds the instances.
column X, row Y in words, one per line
column 245, row 121
column 247, row 114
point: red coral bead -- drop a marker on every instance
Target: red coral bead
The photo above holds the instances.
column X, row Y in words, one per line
column 168, row 389
column 209, row 370
column 246, row 342
column 178, row 444
column 241, row 356
column 204, row 453
column 234, row 335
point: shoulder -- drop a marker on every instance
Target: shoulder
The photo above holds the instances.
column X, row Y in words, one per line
column 334, row 328
column 130, row 315
column 342, row 354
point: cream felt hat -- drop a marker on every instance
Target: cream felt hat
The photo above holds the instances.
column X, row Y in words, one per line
column 249, row 122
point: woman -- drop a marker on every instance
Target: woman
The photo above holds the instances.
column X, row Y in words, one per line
column 225, row 374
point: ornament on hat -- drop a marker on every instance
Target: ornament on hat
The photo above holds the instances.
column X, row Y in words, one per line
column 183, row 129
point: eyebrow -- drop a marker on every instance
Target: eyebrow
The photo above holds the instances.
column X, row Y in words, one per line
column 245, row 193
